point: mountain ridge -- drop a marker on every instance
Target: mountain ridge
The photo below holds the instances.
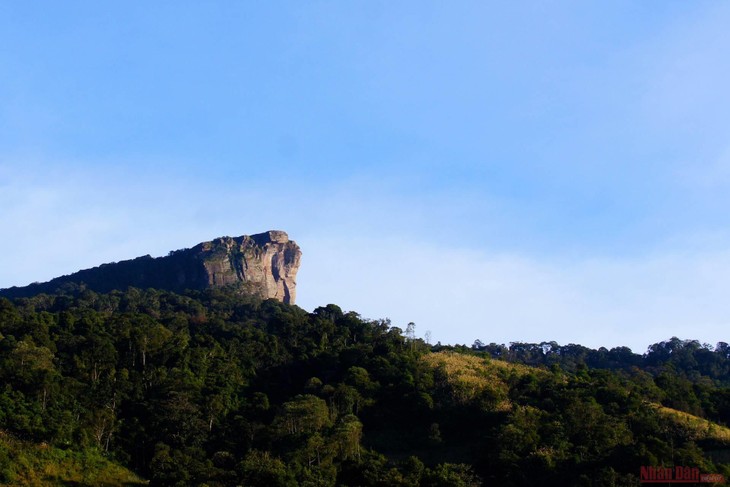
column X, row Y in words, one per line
column 264, row 264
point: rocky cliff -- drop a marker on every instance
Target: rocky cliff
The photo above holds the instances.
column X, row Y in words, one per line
column 265, row 264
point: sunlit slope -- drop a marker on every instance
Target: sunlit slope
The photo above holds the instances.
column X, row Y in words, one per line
column 469, row 377
column 27, row 464
column 694, row 427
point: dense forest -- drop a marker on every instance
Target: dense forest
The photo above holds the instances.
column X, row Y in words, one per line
column 218, row 389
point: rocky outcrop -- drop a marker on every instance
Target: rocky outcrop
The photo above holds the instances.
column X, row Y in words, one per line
column 265, row 264
column 268, row 260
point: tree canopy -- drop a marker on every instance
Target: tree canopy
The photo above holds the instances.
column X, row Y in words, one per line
column 212, row 388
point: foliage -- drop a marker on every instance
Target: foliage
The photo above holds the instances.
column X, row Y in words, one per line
column 25, row 463
column 209, row 388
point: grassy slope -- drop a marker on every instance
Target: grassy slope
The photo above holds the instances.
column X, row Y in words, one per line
column 470, row 375
column 28, row 464
column 696, row 428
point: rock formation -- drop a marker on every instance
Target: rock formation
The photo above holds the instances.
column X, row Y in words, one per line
column 265, row 264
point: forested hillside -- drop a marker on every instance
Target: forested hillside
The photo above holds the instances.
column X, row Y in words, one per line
column 211, row 388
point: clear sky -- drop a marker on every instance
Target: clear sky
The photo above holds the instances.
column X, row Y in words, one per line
column 502, row 171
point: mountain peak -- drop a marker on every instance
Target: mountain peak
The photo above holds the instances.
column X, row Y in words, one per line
column 265, row 264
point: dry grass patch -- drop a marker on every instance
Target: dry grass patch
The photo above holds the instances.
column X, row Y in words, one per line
column 469, row 377
column 694, row 427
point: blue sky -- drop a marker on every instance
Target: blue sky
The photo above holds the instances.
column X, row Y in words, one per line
column 507, row 171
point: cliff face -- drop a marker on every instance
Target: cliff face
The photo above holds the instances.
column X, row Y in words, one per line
column 269, row 261
column 264, row 264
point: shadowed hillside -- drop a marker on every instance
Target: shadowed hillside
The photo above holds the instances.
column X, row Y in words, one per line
column 219, row 389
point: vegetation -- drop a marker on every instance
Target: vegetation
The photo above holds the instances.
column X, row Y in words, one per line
column 24, row 463
column 212, row 388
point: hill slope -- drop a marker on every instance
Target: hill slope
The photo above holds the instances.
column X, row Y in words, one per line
column 26, row 464
column 209, row 388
